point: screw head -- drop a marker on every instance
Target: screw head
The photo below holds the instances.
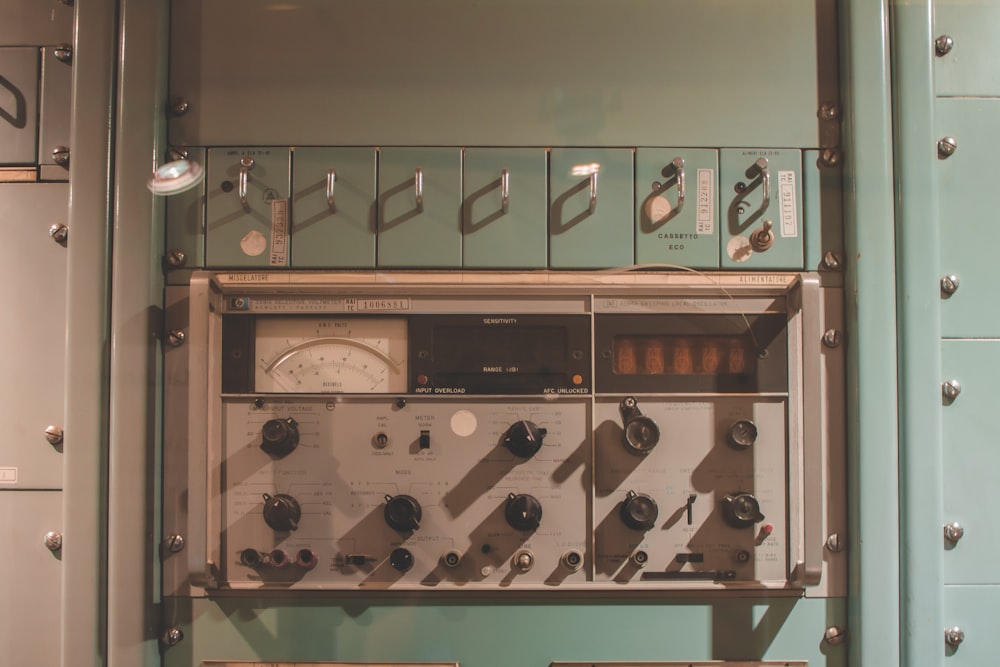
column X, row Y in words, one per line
column 954, row 531
column 54, row 434
column 172, row 636
column 831, row 338
column 53, row 540
column 830, row 157
column 946, row 147
column 60, row 155
column 175, row 543
column 949, row 284
column 59, row 233
column 176, row 337
column 943, row 45
column 954, row 636
column 63, row 53
column 833, row 635
column 951, row 389
column 834, row 543
column 176, row 258
column 180, row 106
column 829, row 111
column 831, row 261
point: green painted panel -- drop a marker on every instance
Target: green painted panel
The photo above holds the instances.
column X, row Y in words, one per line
column 970, row 68
column 823, row 210
column 582, row 236
column 185, row 221
column 492, row 634
column 744, row 208
column 341, row 235
column 241, row 233
column 514, row 238
column 969, row 232
column 971, row 494
column 687, row 235
column 428, row 234
column 973, row 609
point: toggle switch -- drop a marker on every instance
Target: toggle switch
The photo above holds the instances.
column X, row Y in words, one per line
column 763, row 238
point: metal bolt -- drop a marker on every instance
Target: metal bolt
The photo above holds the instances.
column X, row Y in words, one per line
column 175, row 543
column 176, row 337
column 831, row 261
column 947, row 147
column 180, row 106
column 954, row 636
column 830, row 157
column 54, row 434
column 53, row 540
column 177, row 154
column 833, row 635
column 951, row 389
column 949, row 284
column 831, row 338
column 176, row 258
column 63, row 53
column 953, row 532
column 60, row 155
column 172, row 636
column 943, row 45
column 834, row 543
column 59, row 233
column 829, row 111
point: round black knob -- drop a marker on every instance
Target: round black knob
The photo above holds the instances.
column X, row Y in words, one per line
column 402, row 512
column 401, row 559
column 282, row 512
column 280, row 436
column 741, row 510
column 523, row 438
column 641, row 432
column 523, row 512
column 639, row 511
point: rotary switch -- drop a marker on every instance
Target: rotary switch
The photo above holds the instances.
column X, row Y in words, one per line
column 742, row 434
column 280, row 436
column 523, row 439
column 639, row 511
column 641, row 432
column 523, row 512
column 741, row 510
column 402, row 513
column 281, row 512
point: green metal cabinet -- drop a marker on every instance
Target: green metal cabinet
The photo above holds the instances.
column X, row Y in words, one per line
column 676, row 207
column 185, row 222
column 823, row 210
column 591, row 208
column 333, row 208
column 968, row 67
column 419, row 207
column 18, row 105
column 242, row 227
column 504, row 208
column 760, row 187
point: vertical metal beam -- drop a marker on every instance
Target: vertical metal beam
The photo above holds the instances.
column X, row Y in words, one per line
column 919, row 305
column 136, row 302
column 870, row 297
column 87, row 345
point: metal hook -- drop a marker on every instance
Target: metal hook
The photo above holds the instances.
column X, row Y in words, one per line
column 246, row 164
column 331, row 179
column 765, row 181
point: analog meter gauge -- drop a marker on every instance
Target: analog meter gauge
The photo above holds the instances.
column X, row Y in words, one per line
column 325, row 355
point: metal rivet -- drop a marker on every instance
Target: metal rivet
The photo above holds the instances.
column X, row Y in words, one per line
column 949, row 284
column 834, row 543
column 951, row 389
column 54, row 434
column 831, row 338
column 947, row 147
column 180, row 106
column 953, row 532
column 175, row 543
column 53, row 540
column 176, row 258
column 177, row 153
column 60, row 155
column 829, row 111
column 833, row 635
column 63, row 53
column 172, row 636
column 943, row 45
column 831, row 261
column 176, row 337
column 59, row 233
column 830, row 157
column 954, row 636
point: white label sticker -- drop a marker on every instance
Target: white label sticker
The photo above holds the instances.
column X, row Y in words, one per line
column 706, row 204
column 279, row 232
column 253, row 244
column 786, row 194
column 8, row 475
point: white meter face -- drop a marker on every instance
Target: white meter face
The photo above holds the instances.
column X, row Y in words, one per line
column 325, row 355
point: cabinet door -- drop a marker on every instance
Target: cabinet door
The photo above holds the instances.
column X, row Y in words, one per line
column 333, row 208
column 677, row 204
column 242, row 228
column 419, row 207
column 591, row 208
column 504, row 209
column 761, row 197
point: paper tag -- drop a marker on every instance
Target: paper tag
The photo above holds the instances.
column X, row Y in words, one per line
column 279, row 232
column 786, row 195
column 706, row 205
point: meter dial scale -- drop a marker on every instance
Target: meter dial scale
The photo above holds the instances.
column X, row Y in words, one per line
column 330, row 355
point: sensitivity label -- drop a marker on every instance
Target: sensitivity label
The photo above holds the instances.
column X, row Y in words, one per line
column 8, row 475
column 786, row 195
column 706, row 206
column 279, row 232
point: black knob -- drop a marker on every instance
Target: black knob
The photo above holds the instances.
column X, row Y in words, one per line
column 741, row 510
column 401, row 559
column 639, row 511
column 282, row 512
column 523, row 512
column 641, row 432
column 280, row 436
column 523, row 438
column 402, row 512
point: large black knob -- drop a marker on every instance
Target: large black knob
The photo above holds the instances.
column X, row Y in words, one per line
column 280, row 436
column 282, row 512
column 523, row 438
column 401, row 559
column 402, row 512
column 741, row 510
column 523, row 512
column 639, row 511
column 641, row 432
